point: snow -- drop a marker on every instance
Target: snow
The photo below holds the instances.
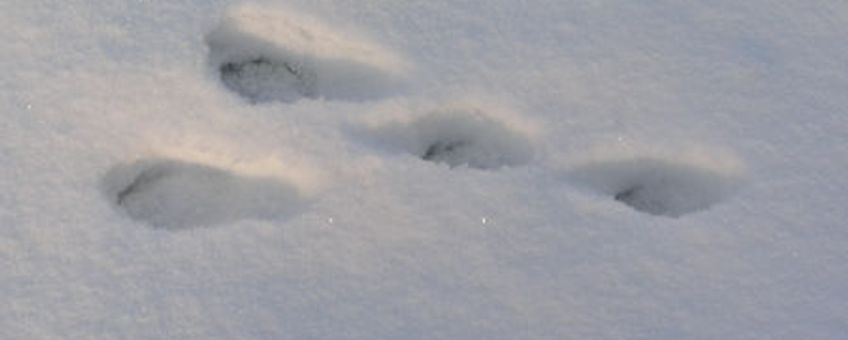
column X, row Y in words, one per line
column 471, row 134
column 423, row 169
column 662, row 187
column 175, row 194
column 267, row 55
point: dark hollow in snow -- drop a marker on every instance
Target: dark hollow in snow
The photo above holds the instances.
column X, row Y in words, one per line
column 444, row 151
column 637, row 199
column 175, row 194
column 264, row 79
column 271, row 57
column 461, row 138
column 658, row 187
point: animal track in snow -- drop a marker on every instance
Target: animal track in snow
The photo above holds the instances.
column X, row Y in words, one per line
column 174, row 194
column 659, row 187
column 461, row 138
column 262, row 80
column 266, row 55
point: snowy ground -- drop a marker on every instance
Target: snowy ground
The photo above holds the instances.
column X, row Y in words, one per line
column 433, row 169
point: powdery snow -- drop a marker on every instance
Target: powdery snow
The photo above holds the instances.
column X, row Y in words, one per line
column 424, row 169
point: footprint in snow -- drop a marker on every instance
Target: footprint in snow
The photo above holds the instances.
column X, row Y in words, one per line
column 659, row 187
column 175, row 194
column 266, row 55
column 460, row 138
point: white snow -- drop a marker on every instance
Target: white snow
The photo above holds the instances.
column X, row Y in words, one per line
column 175, row 194
column 669, row 185
column 268, row 54
column 328, row 169
column 460, row 134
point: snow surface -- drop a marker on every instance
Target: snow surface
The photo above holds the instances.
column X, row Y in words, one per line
column 424, row 169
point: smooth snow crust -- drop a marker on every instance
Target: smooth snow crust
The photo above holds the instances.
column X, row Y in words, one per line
column 423, row 169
